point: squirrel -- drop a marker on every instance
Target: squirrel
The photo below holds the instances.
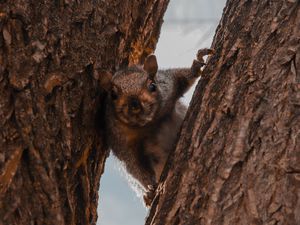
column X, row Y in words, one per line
column 144, row 117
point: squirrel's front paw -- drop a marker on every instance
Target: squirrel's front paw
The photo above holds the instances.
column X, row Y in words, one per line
column 149, row 195
column 203, row 52
column 199, row 62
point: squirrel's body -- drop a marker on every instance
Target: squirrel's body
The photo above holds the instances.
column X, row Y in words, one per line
column 144, row 116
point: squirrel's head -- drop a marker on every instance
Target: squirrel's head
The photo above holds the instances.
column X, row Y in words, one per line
column 135, row 96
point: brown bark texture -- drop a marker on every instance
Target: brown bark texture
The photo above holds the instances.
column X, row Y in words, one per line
column 237, row 161
column 52, row 54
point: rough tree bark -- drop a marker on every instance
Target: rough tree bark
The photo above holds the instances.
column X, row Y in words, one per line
column 51, row 151
column 238, row 157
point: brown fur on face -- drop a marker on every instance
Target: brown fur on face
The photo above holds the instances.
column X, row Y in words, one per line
column 133, row 102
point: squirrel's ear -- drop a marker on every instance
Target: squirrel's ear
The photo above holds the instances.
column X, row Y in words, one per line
column 104, row 78
column 150, row 65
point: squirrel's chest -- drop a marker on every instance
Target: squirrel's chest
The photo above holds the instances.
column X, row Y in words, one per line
column 131, row 137
column 126, row 137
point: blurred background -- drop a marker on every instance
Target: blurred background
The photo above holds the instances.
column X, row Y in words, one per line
column 188, row 26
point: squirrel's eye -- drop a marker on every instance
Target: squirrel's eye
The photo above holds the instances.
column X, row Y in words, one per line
column 152, row 87
column 114, row 95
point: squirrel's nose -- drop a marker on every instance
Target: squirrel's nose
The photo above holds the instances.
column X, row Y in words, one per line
column 134, row 104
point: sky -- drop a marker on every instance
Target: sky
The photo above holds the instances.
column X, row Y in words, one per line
column 189, row 25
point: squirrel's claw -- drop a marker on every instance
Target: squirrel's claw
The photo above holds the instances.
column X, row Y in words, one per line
column 199, row 62
column 203, row 52
column 149, row 195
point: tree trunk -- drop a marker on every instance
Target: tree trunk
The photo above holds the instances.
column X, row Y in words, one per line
column 51, row 55
column 238, row 157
